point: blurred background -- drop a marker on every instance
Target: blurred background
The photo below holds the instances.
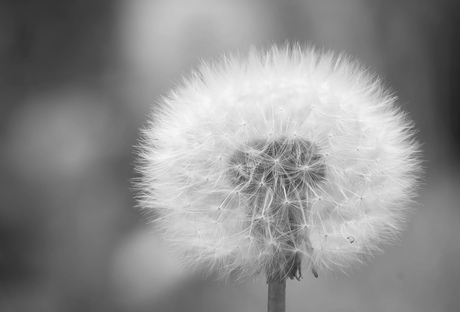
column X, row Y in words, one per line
column 79, row 78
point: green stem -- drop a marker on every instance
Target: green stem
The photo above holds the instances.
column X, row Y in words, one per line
column 277, row 295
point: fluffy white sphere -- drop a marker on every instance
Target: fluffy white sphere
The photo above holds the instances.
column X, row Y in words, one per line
column 259, row 162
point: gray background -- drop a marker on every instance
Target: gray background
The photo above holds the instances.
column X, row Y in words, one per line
column 79, row 78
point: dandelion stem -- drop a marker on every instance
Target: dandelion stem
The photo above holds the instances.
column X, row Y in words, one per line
column 277, row 295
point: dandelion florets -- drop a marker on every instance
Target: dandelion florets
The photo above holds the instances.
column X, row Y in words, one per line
column 259, row 164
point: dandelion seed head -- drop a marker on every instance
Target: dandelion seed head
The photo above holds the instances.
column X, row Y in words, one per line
column 258, row 161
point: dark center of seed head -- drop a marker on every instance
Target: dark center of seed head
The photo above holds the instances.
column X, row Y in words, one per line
column 287, row 165
column 290, row 169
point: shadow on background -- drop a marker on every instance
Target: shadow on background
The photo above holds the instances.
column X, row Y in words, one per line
column 79, row 78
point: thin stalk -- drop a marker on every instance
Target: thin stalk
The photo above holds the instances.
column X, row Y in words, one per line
column 277, row 295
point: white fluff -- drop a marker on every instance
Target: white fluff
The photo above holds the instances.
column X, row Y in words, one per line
column 364, row 142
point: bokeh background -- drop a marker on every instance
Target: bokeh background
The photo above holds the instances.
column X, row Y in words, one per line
column 79, row 78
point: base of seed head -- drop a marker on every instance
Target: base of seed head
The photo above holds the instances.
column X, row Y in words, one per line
column 287, row 171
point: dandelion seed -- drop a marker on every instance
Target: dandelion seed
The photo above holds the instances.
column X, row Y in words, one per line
column 306, row 153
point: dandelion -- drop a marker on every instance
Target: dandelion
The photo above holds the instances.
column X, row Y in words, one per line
column 275, row 161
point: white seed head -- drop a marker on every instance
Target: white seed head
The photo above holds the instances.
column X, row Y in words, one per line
column 257, row 163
